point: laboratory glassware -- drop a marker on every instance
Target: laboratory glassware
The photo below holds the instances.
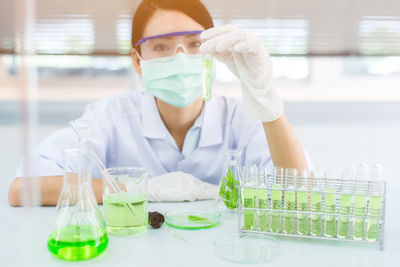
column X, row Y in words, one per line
column 79, row 231
column 126, row 211
column 228, row 192
column 207, row 76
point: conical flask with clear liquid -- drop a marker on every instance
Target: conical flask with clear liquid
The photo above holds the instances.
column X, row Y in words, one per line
column 228, row 192
column 79, row 231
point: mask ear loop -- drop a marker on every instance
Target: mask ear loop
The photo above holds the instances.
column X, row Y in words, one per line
column 137, row 53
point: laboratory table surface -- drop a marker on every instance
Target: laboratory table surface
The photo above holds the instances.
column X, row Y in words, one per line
column 25, row 231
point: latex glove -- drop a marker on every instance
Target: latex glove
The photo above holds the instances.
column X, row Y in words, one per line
column 179, row 186
column 245, row 55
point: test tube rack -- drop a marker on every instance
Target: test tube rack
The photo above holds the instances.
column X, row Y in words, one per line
column 262, row 218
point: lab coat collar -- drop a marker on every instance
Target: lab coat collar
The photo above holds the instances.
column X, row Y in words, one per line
column 211, row 129
column 209, row 119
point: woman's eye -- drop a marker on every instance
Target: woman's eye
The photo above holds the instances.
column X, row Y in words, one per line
column 195, row 44
column 160, row 47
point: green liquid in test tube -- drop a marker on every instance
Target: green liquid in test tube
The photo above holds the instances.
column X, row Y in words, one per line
column 344, row 209
column 248, row 202
column 348, row 177
column 374, row 204
column 207, row 77
column 360, row 202
column 262, row 203
column 316, row 222
column 289, row 201
column 330, row 207
column 302, row 204
column 276, row 199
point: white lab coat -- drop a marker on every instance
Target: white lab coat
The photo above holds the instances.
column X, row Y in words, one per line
column 127, row 130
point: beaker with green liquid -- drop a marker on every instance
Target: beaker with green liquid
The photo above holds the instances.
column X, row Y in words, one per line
column 125, row 211
column 207, row 77
column 79, row 232
column 289, row 200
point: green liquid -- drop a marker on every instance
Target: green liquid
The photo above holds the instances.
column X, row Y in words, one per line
column 262, row 203
column 288, row 219
column 373, row 224
column 248, row 202
column 302, row 219
column 276, row 198
column 344, row 208
column 359, row 210
column 316, row 222
column 207, row 79
column 122, row 221
column 77, row 242
column 330, row 207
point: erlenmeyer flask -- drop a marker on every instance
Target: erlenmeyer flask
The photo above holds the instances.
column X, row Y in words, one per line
column 79, row 231
column 228, row 192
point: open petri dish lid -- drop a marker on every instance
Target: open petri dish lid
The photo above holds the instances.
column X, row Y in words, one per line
column 247, row 248
column 192, row 220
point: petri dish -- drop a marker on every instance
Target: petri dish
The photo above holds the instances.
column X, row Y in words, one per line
column 247, row 248
column 192, row 220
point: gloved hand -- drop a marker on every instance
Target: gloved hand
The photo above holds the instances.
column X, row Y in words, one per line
column 245, row 55
column 179, row 186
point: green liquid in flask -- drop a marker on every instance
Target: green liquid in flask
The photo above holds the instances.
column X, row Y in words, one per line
column 77, row 242
column 122, row 221
column 359, row 210
column 288, row 219
column 330, row 207
column 373, row 224
column 302, row 218
column 316, row 222
column 344, row 208
column 262, row 203
column 207, row 77
column 248, row 202
column 276, row 199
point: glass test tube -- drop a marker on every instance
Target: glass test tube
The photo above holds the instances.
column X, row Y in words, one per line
column 374, row 204
column 276, row 199
column 360, row 201
column 207, row 77
column 289, row 200
column 302, row 203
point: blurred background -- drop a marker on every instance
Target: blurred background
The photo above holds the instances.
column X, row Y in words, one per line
column 336, row 65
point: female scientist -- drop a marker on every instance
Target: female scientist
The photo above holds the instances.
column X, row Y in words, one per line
column 168, row 128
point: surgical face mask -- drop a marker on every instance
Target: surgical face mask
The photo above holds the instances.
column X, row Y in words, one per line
column 176, row 80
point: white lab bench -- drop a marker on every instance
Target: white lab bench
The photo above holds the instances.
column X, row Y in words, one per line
column 25, row 232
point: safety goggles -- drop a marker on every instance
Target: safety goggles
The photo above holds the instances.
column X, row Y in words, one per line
column 168, row 44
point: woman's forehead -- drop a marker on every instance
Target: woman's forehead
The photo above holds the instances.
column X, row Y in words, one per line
column 167, row 21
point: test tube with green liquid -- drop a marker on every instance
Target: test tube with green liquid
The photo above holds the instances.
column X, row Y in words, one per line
column 276, row 199
column 289, row 200
column 360, row 201
column 348, row 178
column 207, row 77
column 316, row 200
column 374, row 203
column 302, row 203
column 262, row 202
column 249, row 197
column 330, row 207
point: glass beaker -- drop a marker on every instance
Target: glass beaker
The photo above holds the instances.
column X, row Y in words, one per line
column 125, row 211
column 228, row 192
column 79, row 231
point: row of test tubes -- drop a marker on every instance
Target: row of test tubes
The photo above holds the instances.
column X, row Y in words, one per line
column 298, row 202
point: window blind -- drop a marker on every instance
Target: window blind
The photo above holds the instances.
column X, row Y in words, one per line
column 287, row 27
